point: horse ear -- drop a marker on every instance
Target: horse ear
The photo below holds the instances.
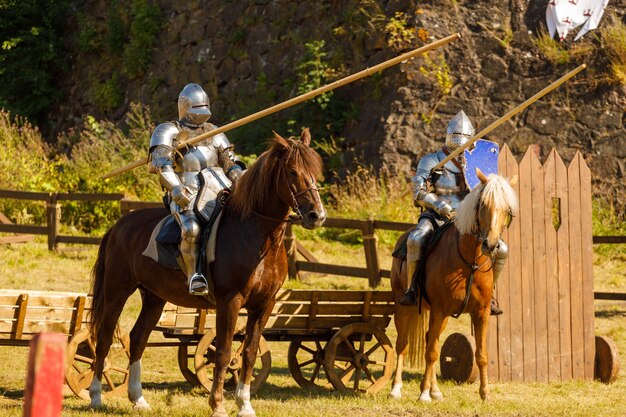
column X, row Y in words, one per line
column 513, row 180
column 305, row 137
column 280, row 140
column 481, row 176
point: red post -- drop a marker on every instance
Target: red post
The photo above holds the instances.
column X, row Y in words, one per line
column 44, row 382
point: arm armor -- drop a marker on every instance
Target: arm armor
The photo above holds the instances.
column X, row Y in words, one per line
column 421, row 195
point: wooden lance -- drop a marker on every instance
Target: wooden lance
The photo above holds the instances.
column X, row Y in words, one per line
column 510, row 114
column 299, row 99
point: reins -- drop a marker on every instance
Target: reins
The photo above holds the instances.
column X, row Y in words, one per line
column 473, row 268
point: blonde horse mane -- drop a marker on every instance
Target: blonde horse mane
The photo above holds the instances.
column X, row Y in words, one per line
column 496, row 193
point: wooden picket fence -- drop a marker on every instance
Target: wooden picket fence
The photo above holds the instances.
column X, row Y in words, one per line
column 547, row 333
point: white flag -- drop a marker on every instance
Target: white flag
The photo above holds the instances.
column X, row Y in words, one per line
column 563, row 16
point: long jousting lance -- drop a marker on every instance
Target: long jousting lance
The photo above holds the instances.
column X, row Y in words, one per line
column 303, row 97
column 510, row 114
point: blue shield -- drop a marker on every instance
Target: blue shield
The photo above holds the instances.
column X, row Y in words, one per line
column 483, row 155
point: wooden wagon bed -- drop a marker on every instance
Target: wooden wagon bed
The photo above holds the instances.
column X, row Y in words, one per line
column 357, row 354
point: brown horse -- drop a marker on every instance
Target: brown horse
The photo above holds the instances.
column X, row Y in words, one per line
column 469, row 244
column 250, row 267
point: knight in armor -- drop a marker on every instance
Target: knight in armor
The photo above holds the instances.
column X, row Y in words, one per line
column 179, row 170
column 440, row 193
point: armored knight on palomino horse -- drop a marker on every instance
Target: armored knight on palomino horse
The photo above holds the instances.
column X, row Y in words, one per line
column 449, row 188
column 180, row 174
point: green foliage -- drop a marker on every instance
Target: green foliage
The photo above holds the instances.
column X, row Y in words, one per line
column 314, row 72
column 116, row 28
column 399, row 34
column 76, row 165
column 559, row 53
column 107, row 95
column 89, row 39
column 26, row 165
column 613, row 37
column 145, row 26
column 438, row 71
column 31, row 55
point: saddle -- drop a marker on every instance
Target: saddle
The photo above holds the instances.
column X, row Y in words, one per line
column 420, row 272
column 163, row 246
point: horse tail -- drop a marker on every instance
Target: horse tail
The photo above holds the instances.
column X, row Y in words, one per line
column 96, row 314
column 418, row 327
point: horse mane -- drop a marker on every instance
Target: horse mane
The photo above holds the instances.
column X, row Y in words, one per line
column 496, row 193
column 251, row 189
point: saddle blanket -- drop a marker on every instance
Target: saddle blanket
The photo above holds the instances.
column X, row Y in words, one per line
column 163, row 244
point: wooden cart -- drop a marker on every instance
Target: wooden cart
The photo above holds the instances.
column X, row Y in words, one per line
column 25, row 313
column 336, row 334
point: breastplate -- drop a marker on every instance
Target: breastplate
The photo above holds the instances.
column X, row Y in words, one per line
column 449, row 188
column 192, row 162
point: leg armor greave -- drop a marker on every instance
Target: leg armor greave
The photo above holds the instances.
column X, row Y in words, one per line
column 417, row 240
column 498, row 264
column 190, row 233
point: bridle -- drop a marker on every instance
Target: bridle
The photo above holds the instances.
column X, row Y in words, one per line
column 474, row 266
column 294, row 194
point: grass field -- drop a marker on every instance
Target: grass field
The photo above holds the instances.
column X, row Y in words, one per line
column 31, row 266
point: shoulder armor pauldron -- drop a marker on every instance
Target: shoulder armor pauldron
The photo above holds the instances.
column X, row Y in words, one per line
column 164, row 134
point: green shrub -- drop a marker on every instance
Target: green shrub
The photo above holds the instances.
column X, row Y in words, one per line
column 613, row 37
column 314, row 72
column 144, row 28
column 32, row 55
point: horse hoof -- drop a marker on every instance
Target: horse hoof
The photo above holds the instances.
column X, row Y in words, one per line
column 395, row 395
column 425, row 397
column 437, row 396
column 246, row 413
column 220, row 412
column 141, row 404
column 96, row 404
column 396, row 391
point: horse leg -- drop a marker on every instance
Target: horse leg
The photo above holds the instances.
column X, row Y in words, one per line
column 151, row 308
column 114, row 304
column 429, row 388
column 401, row 318
column 254, row 329
column 480, row 320
column 227, row 310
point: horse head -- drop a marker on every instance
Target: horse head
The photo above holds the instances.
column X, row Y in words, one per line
column 283, row 178
column 496, row 207
column 487, row 210
column 296, row 185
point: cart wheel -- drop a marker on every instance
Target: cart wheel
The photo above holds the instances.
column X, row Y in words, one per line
column 204, row 360
column 457, row 359
column 186, row 364
column 80, row 355
column 360, row 358
column 606, row 365
column 306, row 361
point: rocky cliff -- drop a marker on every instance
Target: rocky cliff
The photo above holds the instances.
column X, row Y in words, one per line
column 249, row 55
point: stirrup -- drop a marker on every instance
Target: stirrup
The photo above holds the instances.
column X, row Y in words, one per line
column 198, row 285
column 495, row 308
column 408, row 298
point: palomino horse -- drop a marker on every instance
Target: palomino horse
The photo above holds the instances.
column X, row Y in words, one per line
column 468, row 245
column 250, row 267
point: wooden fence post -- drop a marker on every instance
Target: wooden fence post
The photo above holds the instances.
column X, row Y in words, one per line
column 53, row 215
column 44, row 382
column 371, row 253
column 290, row 246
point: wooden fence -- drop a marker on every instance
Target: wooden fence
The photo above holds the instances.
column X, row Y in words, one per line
column 547, row 333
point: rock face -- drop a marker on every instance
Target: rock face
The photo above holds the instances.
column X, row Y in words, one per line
column 248, row 54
